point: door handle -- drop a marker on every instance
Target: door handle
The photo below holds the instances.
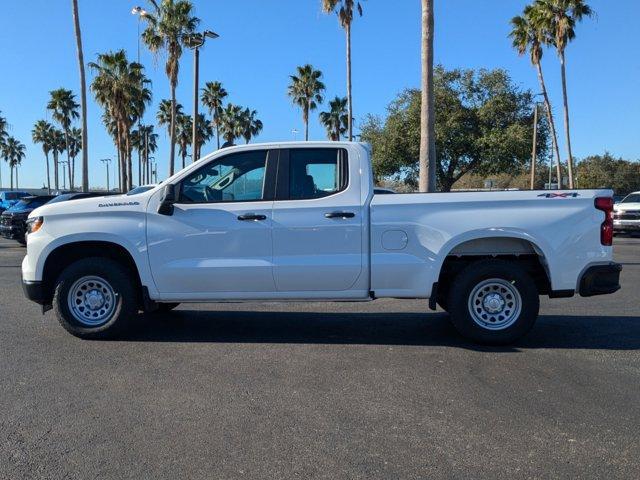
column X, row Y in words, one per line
column 252, row 216
column 340, row 215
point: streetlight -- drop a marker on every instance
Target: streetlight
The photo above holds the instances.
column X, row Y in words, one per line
column 64, row 180
column 140, row 12
column 195, row 41
column 294, row 132
column 106, row 161
column 154, row 169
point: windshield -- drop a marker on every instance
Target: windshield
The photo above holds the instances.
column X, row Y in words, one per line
column 14, row 195
column 633, row 198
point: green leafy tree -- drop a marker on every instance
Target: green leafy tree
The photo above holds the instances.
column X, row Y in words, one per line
column 606, row 171
column 42, row 134
column 145, row 141
column 483, row 125
column 170, row 22
column 58, row 146
column 306, row 90
column 213, row 95
column 345, row 9
column 164, row 114
column 75, row 144
column 557, row 20
column 64, row 110
column 336, row 119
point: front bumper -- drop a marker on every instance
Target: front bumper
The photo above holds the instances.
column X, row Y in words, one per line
column 35, row 291
column 600, row 280
column 626, row 225
column 11, row 232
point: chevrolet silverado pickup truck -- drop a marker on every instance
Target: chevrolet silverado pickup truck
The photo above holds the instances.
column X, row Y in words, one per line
column 300, row 222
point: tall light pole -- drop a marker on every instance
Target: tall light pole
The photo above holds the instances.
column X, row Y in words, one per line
column 154, row 169
column 195, row 42
column 64, row 180
column 534, row 147
column 106, row 161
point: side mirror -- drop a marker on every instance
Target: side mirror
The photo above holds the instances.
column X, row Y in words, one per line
column 168, row 199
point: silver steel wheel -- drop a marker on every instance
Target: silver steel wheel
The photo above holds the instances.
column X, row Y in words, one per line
column 495, row 304
column 91, row 301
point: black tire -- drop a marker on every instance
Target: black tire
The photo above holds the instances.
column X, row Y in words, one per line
column 503, row 280
column 125, row 299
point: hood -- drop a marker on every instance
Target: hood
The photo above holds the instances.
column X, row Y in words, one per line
column 94, row 205
column 623, row 207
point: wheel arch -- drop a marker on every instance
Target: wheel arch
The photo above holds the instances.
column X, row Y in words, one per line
column 64, row 254
column 508, row 244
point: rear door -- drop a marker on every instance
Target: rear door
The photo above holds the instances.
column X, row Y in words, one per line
column 317, row 222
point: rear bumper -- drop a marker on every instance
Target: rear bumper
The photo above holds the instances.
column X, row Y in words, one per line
column 600, row 280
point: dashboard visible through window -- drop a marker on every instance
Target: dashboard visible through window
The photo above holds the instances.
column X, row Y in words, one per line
column 238, row 177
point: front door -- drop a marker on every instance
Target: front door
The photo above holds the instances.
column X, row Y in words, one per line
column 317, row 222
column 218, row 239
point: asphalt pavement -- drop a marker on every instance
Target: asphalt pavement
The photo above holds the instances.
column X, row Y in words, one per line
column 378, row 390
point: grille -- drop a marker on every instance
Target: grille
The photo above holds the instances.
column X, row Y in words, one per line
column 628, row 215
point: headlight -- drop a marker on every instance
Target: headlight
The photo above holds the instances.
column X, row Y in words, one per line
column 34, row 224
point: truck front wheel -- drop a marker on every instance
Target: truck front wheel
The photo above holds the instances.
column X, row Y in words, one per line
column 493, row 302
column 94, row 298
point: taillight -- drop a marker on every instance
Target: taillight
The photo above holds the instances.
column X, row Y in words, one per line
column 605, row 204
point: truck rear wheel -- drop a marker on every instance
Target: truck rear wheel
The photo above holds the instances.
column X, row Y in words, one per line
column 493, row 302
column 95, row 298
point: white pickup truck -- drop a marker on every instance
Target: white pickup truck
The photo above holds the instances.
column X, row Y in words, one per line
column 300, row 221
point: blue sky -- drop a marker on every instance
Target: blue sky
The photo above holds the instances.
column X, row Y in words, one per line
column 262, row 41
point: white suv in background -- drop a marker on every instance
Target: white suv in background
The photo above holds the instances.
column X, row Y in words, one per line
column 626, row 214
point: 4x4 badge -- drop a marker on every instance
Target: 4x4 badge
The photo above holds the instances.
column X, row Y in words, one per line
column 560, row 195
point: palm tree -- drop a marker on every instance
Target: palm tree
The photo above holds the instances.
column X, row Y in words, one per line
column 213, row 94
column 184, row 126
column 558, row 19
column 251, row 125
column 336, row 120
column 427, row 154
column 83, row 97
column 13, row 154
column 526, row 37
column 345, row 15
column 58, row 145
column 75, row 144
column 167, row 27
column 41, row 133
column 203, row 134
column 120, row 87
column 150, row 146
column 230, row 123
column 3, row 129
column 164, row 114
column 305, row 91
column 64, row 110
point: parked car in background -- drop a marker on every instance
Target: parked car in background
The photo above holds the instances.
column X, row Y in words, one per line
column 300, row 221
column 626, row 214
column 9, row 199
column 13, row 220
